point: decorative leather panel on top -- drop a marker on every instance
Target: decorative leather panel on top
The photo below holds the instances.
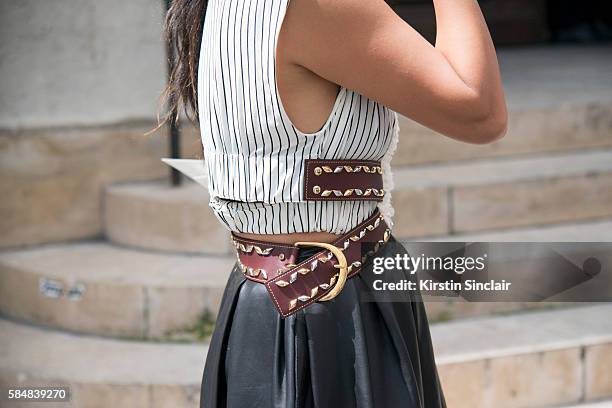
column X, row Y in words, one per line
column 343, row 180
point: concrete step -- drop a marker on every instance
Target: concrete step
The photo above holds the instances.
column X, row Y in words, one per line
column 599, row 404
column 541, row 359
column 430, row 201
column 155, row 215
column 101, row 372
column 559, row 99
column 533, row 360
column 496, row 194
column 585, row 231
column 52, row 179
column 95, row 287
column 102, row 289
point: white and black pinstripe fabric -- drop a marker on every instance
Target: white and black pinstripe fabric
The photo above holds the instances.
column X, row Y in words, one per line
column 253, row 153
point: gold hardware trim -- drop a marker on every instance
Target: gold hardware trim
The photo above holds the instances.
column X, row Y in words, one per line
column 341, row 265
column 349, row 169
column 249, row 248
column 349, row 192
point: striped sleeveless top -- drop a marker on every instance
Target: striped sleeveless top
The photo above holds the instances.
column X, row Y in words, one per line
column 252, row 152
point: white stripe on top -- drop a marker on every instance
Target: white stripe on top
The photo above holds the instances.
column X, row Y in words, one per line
column 253, row 153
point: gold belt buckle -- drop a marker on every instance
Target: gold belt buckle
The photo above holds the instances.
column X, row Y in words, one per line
column 342, row 265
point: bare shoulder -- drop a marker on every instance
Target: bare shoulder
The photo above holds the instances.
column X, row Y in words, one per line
column 329, row 30
column 365, row 46
column 361, row 45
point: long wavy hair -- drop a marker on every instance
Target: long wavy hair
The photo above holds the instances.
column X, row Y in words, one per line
column 183, row 35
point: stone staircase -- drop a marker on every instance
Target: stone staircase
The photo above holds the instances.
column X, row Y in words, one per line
column 537, row 359
column 122, row 316
column 107, row 290
column 540, row 359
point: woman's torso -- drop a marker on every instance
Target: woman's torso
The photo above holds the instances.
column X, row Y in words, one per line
column 253, row 152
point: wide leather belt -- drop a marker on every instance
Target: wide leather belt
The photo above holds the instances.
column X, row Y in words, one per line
column 321, row 277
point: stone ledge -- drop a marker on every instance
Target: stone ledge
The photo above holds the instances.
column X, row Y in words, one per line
column 533, row 131
column 52, row 180
column 506, row 170
column 157, row 216
column 101, row 372
column 501, row 194
column 585, row 231
column 125, row 293
column 133, row 293
column 526, row 360
column 538, row 359
column 535, row 202
column 522, row 333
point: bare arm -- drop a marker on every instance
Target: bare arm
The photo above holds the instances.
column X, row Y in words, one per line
column 453, row 88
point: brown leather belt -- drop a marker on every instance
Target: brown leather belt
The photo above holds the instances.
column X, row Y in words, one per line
column 320, row 277
column 326, row 179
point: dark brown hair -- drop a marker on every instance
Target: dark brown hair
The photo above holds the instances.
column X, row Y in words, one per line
column 183, row 34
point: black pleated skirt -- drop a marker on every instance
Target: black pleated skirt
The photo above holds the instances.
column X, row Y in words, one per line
column 358, row 350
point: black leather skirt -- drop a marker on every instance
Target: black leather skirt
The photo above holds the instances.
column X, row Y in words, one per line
column 358, row 350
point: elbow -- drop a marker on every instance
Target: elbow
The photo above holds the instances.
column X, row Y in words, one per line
column 485, row 122
column 491, row 128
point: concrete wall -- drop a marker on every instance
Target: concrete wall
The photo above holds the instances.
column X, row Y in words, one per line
column 85, row 62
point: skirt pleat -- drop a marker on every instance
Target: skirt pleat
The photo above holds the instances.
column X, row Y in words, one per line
column 361, row 349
